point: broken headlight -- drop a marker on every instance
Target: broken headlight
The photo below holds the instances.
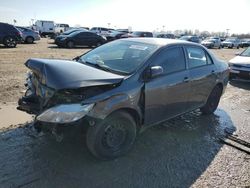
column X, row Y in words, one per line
column 65, row 113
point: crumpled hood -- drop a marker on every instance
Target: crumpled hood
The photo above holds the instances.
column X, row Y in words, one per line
column 65, row 74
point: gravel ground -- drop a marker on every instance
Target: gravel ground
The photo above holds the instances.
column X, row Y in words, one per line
column 183, row 152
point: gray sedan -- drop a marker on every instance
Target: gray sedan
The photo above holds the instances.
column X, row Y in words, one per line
column 122, row 87
column 28, row 35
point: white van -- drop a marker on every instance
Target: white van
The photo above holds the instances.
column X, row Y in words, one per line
column 45, row 27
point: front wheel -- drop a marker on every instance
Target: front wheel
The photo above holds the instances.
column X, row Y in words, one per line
column 10, row 42
column 212, row 101
column 112, row 137
column 29, row 40
column 70, row 44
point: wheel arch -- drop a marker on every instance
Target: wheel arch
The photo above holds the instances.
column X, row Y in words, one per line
column 132, row 112
column 29, row 36
column 220, row 85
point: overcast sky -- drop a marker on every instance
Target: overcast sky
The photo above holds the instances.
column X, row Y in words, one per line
column 210, row 15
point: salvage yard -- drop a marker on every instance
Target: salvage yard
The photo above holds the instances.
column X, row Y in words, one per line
column 187, row 151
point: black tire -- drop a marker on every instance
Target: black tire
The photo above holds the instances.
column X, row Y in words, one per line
column 70, row 44
column 98, row 44
column 10, row 42
column 29, row 40
column 112, row 137
column 212, row 101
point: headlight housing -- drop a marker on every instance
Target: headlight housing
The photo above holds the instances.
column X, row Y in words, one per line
column 65, row 113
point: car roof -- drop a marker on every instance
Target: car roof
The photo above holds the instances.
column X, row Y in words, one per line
column 159, row 41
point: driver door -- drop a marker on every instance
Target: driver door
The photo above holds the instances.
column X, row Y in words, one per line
column 166, row 95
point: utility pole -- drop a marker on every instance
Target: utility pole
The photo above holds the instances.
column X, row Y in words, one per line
column 227, row 32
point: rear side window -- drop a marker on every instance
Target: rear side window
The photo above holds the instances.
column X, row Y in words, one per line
column 171, row 60
column 197, row 57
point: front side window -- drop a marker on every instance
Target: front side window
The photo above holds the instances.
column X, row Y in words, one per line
column 196, row 57
column 171, row 60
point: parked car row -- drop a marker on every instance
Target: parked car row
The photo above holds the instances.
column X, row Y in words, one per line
column 11, row 35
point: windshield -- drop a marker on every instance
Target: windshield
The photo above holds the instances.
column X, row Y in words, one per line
column 70, row 31
column 246, row 52
column 122, row 56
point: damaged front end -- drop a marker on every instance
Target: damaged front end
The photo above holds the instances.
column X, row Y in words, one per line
column 36, row 96
column 51, row 102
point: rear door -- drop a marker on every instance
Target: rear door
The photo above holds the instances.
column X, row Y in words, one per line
column 166, row 95
column 202, row 75
column 86, row 39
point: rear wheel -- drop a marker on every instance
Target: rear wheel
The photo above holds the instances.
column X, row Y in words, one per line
column 70, row 44
column 212, row 101
column 10, row 42
column 29, row 40
column 112, row 137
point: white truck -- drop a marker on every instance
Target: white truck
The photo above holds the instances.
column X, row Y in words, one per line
column 60, row 28
column 45, row 27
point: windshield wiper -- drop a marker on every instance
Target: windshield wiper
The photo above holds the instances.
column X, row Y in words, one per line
column 97, row 65
column 102, row 67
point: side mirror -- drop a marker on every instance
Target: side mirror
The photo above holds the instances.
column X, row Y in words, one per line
column 237, row 53
column 153, row 72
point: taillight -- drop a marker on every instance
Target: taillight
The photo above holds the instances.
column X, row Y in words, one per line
column 19, row 33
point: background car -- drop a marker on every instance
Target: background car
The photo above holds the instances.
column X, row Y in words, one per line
column 9, row 35
column 212, row 42
column 137, row 34
column 80, row 38
column 115, row 34
column 28, row 35
column 240, row 65
column 68, row 32
column 190, row 38
column 231, row 43
column 245, row 42
column 165, row 35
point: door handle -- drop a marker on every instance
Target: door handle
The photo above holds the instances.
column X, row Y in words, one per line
column 186, row 79
column 212, row 71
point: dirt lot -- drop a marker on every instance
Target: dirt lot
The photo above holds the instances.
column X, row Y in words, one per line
column 182, row 152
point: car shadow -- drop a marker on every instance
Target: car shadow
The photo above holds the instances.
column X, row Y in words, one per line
column 240, row 84
column 172, row 154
